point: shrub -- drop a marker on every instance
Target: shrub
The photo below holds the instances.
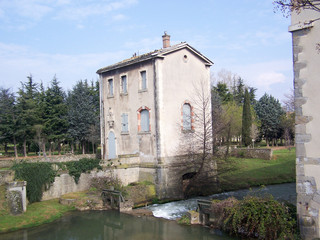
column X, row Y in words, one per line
column 38, row 175
column 262, row 218
column 101, row 183
column 184, row 220
column 75, row 168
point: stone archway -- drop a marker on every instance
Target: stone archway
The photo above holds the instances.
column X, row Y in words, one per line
column 186, row 181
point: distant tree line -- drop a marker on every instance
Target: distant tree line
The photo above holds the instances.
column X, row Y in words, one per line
column 49, row 119
column 239, row 117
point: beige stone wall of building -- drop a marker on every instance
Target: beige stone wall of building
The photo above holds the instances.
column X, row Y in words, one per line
column 180, row 75
column 173, row 74
column 132, row 142
column 305, row 35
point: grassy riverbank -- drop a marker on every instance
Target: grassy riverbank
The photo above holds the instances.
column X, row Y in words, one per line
column 240, row 173
column 236, row 173
column 36, row 214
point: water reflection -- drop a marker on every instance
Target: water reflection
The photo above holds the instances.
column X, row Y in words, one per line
column 112, row 225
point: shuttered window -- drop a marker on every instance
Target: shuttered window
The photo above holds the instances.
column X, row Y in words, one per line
column 124, row 123
column 145, row 121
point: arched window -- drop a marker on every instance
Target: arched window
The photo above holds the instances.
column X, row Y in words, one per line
column 145, row 121
column 186, row 117
column 143, row 114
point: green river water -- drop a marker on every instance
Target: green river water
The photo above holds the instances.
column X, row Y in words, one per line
column 112, row 225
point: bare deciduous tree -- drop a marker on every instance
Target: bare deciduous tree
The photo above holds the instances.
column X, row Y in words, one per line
column 287, row 6
column 196, row 144
column 40, row 139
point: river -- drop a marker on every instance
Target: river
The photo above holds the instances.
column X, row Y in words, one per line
column 112, row 225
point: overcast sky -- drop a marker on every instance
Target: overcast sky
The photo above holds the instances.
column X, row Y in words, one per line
column 73, row 39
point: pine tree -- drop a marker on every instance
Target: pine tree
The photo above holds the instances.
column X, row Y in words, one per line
column 269, row 112
column 7, row 119
column 56, row 111
column 80, row 112
column 27, row 112
column 246, row 120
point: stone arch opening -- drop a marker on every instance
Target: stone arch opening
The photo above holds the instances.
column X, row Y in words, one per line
column 186, row 183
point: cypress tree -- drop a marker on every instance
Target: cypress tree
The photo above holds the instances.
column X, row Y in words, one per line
column 246, row 120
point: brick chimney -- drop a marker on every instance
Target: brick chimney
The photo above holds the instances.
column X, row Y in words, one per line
column 166, row 40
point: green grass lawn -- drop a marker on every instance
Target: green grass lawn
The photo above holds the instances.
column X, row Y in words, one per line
column 239, row 173
column 36, row 214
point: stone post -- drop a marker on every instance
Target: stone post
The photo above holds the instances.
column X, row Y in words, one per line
column 16, row 197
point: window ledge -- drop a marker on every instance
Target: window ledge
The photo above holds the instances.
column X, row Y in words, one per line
column 124, row 133
column 123, row 94
column 110, row 96
column 142, row 90
column 144, row 133
column 187, row 131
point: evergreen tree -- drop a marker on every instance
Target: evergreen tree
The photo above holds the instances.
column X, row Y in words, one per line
column 223, row 92
column 7, row 119
column 40, row 136
column 269, row 112
column 246, row 120
column 27, row 112
column 80, row 112
column 56, row 112
column 94, row 133
column 238, row 91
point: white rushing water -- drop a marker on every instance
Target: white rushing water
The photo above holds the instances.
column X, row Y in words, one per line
column 174, row 210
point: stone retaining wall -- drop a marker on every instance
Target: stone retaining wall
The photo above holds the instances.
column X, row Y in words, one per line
column 6, row 163
column 6, row 176
column 65, row 183
column 261, row 153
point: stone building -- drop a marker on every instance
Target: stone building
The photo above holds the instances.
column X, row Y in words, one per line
column 146, row 105
column 305, row 29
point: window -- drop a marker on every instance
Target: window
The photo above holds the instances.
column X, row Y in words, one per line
column 110, row 87
column 186, row 117
column 124, row 123
column 124, row 84
column 143, row 75
column 145, row 121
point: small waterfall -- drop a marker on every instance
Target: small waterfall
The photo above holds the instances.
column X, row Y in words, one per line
column 174, row 210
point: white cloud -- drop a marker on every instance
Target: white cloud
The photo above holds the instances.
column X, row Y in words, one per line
column 119, row 17
column 74, row 12
column 22, row 14
column 31, row 9
column 273, row 77
column 266, row 79
column 17, row 64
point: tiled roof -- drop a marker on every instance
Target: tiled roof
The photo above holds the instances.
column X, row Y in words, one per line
column 150, row 55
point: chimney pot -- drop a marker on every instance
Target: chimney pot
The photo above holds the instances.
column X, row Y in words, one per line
column 166, row 40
